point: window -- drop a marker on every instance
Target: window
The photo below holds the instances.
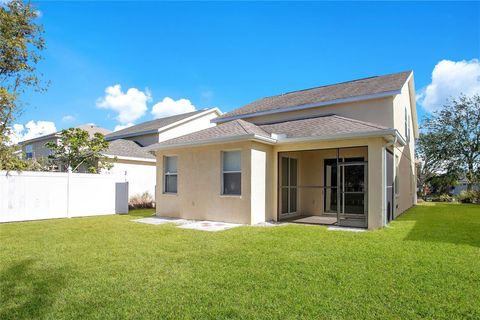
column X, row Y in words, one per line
column 170, row 174
column 407, row 125
column 29, row 151
column 231, row 173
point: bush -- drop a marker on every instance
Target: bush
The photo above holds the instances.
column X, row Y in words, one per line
column 469, row 196
column 445, row 198
column 141, row 201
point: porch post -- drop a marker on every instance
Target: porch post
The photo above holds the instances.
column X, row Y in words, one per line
column 376, row 184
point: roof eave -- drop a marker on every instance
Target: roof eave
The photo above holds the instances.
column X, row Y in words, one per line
column 387, row 133
column 310, row 105
column 45, row 137
column 111, row 156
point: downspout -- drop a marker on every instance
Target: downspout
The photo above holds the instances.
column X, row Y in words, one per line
column 384, row 177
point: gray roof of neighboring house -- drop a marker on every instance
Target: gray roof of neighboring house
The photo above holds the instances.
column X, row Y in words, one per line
column 324, row 94
column 90, row 128
column 150, row 125
column 321, row 126
column 127, row 148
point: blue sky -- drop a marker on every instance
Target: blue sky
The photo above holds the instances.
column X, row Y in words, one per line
column 228, row 54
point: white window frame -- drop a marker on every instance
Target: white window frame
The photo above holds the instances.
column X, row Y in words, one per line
column 222, row 189
column 166, row 173
column 407, row 125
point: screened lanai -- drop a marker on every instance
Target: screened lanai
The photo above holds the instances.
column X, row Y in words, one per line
column 327, row 186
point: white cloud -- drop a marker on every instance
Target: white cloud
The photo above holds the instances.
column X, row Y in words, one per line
column 169, row 107
column 122, row 126
column 449, row 80
column 31, row 130
column 68, row 118
column 130, row 106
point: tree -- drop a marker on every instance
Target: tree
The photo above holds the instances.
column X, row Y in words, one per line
column 21, row 42
column 450, row 142
column 77, row 150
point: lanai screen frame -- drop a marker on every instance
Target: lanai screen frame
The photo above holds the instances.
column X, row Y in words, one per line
column 323, row 187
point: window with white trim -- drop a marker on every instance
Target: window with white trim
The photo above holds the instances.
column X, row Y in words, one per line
column 170, row 174
column 232, row 173
column 407, row 125
column 28, row 151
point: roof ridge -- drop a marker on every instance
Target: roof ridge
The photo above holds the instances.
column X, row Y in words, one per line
column 370, row 124
column 338, row 83
column 240, row 122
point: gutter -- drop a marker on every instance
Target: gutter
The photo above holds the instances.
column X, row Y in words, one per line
column 245, row 137
column 310, row 105
column 368, row 134
column 111, row 156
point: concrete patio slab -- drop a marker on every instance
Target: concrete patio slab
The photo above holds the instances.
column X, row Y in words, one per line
column 334, row 228
column 162, row 220
column 209, row 226
column 270, row 224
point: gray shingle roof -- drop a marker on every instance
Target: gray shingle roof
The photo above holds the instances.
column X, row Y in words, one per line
column 127, row 148
column 92, row 129
column 321, row 126
column 150, row 125
column 230, row 129
column 324, row 94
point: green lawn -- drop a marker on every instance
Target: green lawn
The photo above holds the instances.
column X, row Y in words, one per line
column 426, row 264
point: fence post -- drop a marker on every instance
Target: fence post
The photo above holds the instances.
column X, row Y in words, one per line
column 69, row 171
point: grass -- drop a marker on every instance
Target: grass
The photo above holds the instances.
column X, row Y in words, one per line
column 426, row 264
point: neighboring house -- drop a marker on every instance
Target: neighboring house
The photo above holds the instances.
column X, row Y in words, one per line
column 127, row 145
column 139, row 165
column 36, row 149
column 150, row 132
column 462, row 185
column 338, row 154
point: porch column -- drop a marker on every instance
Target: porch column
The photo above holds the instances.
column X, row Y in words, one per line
column 376, row 184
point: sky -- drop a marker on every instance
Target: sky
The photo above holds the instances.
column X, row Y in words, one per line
column 115, row 64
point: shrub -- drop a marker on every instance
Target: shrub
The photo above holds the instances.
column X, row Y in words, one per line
column 141, row 201
column 469, row 196
column 445, row 198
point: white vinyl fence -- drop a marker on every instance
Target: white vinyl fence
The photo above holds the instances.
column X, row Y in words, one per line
column 46, row 195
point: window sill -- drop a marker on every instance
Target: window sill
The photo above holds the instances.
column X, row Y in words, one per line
column 231, row 196
column 170, row 193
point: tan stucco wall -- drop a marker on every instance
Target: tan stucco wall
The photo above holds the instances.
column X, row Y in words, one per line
column 199, row 185
column 377, row 111
column 406, row 195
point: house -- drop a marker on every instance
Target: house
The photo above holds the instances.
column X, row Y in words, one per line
column 339, row 154
column 127, row 146
column 35, row 148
